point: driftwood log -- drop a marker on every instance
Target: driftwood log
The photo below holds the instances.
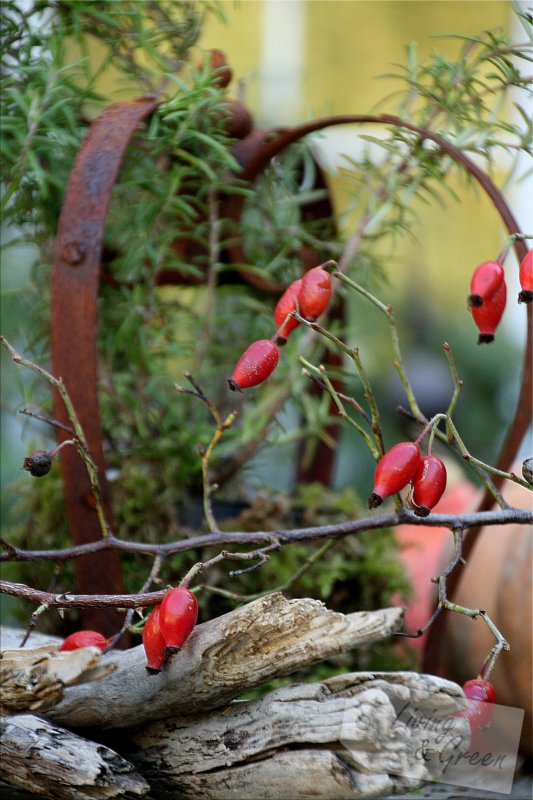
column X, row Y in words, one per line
column 223, row 659
column 186, row 733
column 50, row 762
column 35, row 679
column 343, row 738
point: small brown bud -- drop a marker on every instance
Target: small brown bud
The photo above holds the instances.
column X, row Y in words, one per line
column 527, row 470
column 38, row 463
column 220, row 67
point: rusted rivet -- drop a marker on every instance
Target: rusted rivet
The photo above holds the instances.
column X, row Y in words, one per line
column 73, row 253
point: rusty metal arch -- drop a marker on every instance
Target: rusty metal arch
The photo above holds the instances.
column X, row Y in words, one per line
column 75, row 287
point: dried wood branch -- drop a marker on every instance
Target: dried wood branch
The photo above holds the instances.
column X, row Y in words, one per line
column 343, row 738
column 34, row 679
column 222, row 659
column 47, row 761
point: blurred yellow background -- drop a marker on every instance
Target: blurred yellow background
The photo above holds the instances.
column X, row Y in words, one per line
column 295, row 60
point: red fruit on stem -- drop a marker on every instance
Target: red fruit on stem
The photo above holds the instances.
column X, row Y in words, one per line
column 255, row 365
column 83, row 639
column 315, row 293
column 394, row 470
column 177, row 617
column 429, row 484
column 481, row 696
column 154, row 643
column 486, row 279
column 526, row 278
column 287, row 303
column 487, row 317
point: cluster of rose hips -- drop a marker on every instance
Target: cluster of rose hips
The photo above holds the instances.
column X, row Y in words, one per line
column 164, row 633
column 168, row 626
column 309, row 296
column 488, row 294
column 403, row 464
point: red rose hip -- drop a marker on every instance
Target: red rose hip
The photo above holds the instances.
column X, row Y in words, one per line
column 394, row 470
column 482, row 696
column 177, row 617
column 487, row 316
column 83, row 639
column 255, row 365
column 526, row 278
column 315, row 293
column 486, row 279
column 287, row 303
column 429, row 484
column 153, row 642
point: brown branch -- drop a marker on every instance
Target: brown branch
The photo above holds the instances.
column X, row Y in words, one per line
column 313, row 534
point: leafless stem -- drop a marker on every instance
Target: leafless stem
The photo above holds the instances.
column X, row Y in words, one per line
column 79, row 436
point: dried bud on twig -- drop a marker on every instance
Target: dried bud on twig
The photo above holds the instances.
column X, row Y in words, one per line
column 38, row 463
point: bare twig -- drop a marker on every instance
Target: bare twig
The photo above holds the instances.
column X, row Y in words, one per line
column 79, row 436
column 444, row 604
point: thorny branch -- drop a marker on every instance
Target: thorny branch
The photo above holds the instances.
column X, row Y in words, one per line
column 263, row 541
column 444, row 604
column 312, row 534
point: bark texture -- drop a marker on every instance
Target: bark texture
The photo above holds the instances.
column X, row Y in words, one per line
column 47, row 761
column 34, row 679
column 224, row 658
column 351, row 736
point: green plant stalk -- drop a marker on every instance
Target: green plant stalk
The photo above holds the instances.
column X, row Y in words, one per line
column 321, row 373
column 80, row 441
column 486, row 467
column 501, row 642
column 457, row 382
column 353, row 355
column 208, row 487
column 395, row 340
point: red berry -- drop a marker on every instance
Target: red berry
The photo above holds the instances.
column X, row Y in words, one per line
column 486, row 279
column 429, row 484
column 154, row 643
column 482, row 696
column 394, row 470
column 255, row 365
column 177, row 617
column 287, row 303
column 83, row 639
column 526, row 278
column 315, row 293
column 487, row 317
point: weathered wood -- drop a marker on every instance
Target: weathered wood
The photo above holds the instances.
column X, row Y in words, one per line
column 34, row 679
column 222, row 659
column 51, row 762
column 291, row 744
